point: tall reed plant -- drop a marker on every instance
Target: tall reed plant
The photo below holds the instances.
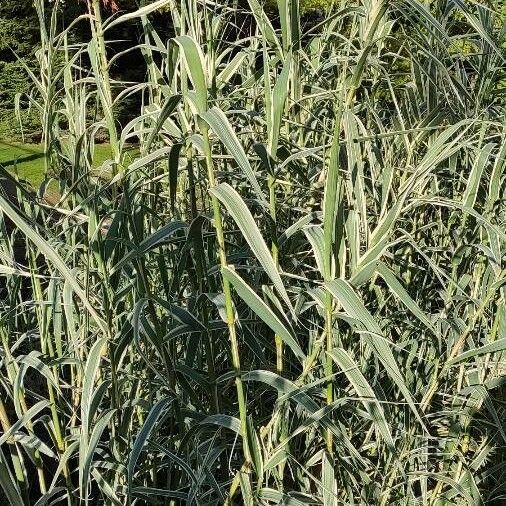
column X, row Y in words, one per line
column 291, row 291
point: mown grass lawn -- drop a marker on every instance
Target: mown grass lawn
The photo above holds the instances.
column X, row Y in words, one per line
column 28, row 159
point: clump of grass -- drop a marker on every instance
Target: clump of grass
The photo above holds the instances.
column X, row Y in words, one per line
column 293, row 293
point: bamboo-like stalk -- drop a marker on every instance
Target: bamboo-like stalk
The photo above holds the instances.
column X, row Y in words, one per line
column 16, row 455
column 229, row 305
column 103, row 79
column 330, row 204
column 11, row 373
column 271, row 183
column 202, row 104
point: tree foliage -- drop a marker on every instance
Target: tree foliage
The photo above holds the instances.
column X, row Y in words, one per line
column 19, row 38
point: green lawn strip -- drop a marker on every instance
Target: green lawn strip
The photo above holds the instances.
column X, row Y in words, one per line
column 27, row 160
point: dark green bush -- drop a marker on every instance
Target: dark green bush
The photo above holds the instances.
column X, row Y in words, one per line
column 19, row 37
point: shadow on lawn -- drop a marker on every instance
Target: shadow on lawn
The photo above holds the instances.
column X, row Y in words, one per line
column 22, row 159
column 31, row 154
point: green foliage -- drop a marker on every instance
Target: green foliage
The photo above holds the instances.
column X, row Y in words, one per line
column 306, row 6
column 19, row 28
column 311, row 5
column 293, row 292
column 13, row 82
column 19, row 35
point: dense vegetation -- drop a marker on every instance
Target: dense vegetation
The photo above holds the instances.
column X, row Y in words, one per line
column 20, row 41
column 19, row 37
column 293, row 292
